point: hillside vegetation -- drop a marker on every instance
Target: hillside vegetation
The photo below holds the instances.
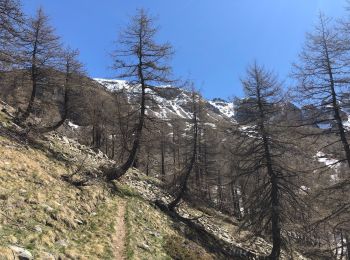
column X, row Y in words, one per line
column 45, row 216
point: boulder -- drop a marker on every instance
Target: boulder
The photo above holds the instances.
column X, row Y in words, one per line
column 22, row 253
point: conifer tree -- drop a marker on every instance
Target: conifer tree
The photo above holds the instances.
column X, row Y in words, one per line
column 144, row 63
column 11, row 26
column 41, row 52
column 263, row 154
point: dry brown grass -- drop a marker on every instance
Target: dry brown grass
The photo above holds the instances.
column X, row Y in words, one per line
column 44, row 214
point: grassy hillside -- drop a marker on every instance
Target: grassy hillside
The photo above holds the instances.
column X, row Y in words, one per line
column 44, row 216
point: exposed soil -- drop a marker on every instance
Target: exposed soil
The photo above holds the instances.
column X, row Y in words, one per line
column 119, row 235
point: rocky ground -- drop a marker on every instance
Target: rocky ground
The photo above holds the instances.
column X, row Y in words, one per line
column 43, row 216
column 220, row 225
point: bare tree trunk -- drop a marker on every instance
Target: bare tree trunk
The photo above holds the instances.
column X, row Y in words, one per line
column 162, row 159
column 275, row 215
column 342, row 245
column 174, row 153
column 106, row 143
column 147, row 164
column 347, row 238
column 335, row 107
column 64, row 115
column 116, row 173
column 190, row 166
column 235, row 199
column 113, row 146
column 34, row 77
column 275, row 221
column 219, row 191
column 138, row 42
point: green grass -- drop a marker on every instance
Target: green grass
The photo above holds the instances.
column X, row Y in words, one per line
column 4, row 118
column 54, row 205
column 148, row 226
column 181, row 249
column 94, row 238
column 126, row 191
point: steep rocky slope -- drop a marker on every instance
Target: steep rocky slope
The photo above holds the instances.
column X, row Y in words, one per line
column 41, row 214
column 171, row 102
column 46, row 214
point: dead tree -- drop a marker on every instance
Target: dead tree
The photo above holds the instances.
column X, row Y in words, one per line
column 262, row 151
column 190, row 165
column 323, row 76
column 11, row 25
column 142, row 62
column 41, row 50
column 73, row 72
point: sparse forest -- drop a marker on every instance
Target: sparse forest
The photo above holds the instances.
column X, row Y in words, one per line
column 276, row 161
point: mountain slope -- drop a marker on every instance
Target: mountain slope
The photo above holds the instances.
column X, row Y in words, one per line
column 54, row 204
column 171, row 102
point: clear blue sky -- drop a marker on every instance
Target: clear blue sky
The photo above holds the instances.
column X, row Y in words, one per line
column 214, row 40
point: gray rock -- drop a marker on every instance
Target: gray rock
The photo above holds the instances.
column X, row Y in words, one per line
column 21, row 252
column 47, row 208
column 144, row 246
column 38, row 229
column 65, row 140
column 22, row 191
column 62, row 242
column 80, row 222
column 154, row 233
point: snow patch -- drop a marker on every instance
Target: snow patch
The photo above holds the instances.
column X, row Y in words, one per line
column 74, row 126
column 210, row 125
column 321, row 157
column 113, row 84
column 347, row 123
column 225, row 108
column 331, row 163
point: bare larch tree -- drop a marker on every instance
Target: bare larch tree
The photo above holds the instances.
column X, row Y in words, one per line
column 11, row 25
column 143, row 63
column 323, row 76
column 323, row 81
column 189, row 166
column 72, row 69
column 263, row 154
column 41, row 52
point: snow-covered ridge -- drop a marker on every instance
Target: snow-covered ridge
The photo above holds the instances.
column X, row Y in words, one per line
column 113, row 84
column 171, row 102
column 167, row 107
column 118, row 84
column 225, row 108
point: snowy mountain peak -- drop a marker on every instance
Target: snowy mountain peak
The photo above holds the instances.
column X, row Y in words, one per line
column 224, row 107
column 171, row 102
column 113, row 84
